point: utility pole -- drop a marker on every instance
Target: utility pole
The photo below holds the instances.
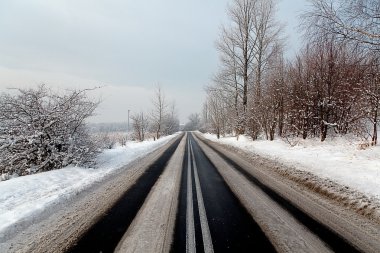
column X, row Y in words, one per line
column 128, row 121
column 142, row 125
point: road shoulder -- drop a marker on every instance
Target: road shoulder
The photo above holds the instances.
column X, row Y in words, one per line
column 357, row 228
column 61, row 225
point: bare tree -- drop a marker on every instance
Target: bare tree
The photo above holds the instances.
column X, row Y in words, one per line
column 159, row 111
column 205, row 118
column 237, row 48
column 140, row 125
column 245, row 48
column 232, row 120
column 356, row 21
column 268, row 41
column 272, row 105
column 326, row 84
column 268, row 49
column 372, row 96
column 171, row 121
column 226, row 82
column 300, row 109
column 355, row 24
column 217, row 112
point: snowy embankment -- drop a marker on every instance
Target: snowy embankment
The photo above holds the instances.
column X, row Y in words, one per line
column 25, row 197
column 339, row 160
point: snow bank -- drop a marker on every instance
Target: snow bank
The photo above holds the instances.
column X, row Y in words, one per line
column 339, row 159
column 27, row 196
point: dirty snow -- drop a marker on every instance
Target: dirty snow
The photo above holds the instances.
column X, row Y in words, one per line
column 27, row 196
column 340, row 160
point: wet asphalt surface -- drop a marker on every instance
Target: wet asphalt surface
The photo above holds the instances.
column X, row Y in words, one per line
column 232, row 228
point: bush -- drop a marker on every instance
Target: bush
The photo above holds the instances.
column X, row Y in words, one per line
column 41, row 130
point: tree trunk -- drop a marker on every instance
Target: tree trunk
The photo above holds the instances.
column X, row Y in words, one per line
column 271, row 133
column 281, row 117
column 323, row 132
column 374, row 136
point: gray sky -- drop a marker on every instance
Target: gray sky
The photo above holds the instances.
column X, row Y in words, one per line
column 127, row 46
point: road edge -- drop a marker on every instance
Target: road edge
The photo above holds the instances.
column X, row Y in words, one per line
column 366, row 206
column 46, row 233
column 360, row 233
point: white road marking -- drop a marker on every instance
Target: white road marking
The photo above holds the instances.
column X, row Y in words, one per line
column 206, row 235
column 190, row 230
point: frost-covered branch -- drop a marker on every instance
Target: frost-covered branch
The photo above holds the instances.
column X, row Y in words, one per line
column 41, row 130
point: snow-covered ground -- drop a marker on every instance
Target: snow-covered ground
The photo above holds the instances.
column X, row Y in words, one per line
column 27, row 196
column 340, row 160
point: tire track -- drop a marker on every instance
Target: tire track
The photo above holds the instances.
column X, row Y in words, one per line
column 335, row 241
column 221, row 223
column 106, row 233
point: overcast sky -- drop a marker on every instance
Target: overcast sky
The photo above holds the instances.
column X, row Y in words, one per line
column 127, row 46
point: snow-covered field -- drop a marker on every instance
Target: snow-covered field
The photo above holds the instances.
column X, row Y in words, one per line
column 340, row 160
column 27, row 196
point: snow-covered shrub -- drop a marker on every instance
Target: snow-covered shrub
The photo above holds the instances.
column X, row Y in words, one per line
column 108, row 140
column 41, row 130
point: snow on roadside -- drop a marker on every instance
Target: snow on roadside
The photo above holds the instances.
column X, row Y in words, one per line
column 339, row 160
column 27, row 196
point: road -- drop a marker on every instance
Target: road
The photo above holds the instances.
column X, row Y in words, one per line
column 193, row 195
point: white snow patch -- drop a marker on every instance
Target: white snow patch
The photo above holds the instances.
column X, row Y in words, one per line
column 338, row 159
column 26, row 197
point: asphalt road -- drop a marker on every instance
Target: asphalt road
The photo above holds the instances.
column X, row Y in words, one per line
column 106, row 233
column 193, row 195
column 218, row 204
column 210, row 218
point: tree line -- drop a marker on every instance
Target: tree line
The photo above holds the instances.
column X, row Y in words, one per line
column 161, row 120
column 331, row 86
